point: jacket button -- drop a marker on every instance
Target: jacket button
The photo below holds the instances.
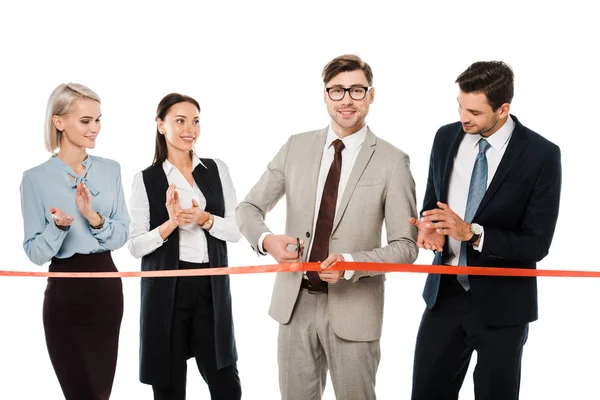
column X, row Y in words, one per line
column 307, row 234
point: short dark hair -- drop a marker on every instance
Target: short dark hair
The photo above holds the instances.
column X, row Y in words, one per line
column 160, row 151
column 495, row 79
column 346, row 63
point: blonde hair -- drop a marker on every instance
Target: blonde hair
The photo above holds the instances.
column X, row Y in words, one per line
column 60, row 103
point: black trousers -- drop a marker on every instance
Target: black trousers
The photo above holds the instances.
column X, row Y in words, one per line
column 82, row 320
column 447, row 337
column 192, row 335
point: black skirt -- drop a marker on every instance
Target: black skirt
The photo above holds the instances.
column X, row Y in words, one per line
column 82, row 319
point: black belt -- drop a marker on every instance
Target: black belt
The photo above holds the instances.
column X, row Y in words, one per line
column 305, row 284
column 192, row 265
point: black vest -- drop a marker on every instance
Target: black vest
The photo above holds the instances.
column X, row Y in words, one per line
column 158, row 294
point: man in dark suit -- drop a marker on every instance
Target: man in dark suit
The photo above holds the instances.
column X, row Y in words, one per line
column 492, row 199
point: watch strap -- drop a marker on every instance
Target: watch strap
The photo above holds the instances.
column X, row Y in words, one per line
column 474, row 238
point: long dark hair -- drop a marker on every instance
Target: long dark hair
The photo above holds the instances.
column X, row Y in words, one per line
column 160, row 151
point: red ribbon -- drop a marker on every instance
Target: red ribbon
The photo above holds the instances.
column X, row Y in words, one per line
column 313, row 266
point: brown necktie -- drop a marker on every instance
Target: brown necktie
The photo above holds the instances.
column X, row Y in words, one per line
column 320, row 248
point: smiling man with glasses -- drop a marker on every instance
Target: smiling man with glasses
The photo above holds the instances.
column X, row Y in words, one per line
column 342, row 183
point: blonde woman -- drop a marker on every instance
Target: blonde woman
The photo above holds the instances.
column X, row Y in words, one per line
column 75, row 214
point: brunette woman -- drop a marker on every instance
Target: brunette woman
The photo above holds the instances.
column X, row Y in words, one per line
column 183, row 213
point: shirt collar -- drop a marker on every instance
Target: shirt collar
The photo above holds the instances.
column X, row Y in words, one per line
column 86, row 163
column 351, row 142
column 168, row 167
column 500, row 138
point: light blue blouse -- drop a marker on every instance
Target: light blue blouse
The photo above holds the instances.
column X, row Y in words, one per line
column 48, row 185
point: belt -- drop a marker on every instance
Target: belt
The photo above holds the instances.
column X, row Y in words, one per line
column 305, row 284
column 192, row 265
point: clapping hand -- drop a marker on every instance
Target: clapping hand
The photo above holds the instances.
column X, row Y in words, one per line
column 427, row 237
column 193, row 215
column 446, row 222
column 172, row 204
column 83, row 201
column 61, row 219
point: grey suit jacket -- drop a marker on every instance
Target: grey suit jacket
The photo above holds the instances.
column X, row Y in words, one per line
column 380, row 188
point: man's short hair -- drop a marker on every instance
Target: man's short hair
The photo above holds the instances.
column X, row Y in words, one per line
column 495, row 79
column 346, row 63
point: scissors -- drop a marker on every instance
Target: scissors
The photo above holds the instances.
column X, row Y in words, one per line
column 298, row 248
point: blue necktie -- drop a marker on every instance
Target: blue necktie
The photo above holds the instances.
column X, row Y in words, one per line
column 477, row 189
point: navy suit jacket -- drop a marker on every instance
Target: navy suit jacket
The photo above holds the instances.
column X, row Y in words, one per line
column 518, row 213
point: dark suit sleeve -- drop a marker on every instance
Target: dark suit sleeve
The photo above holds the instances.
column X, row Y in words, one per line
column 430, row 199
column 532, row 242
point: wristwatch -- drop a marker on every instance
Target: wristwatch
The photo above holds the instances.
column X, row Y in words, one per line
column 101, row 223
column 477, row 231
column 208, row 224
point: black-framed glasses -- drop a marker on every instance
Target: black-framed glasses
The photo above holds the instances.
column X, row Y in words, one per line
column 337, row 93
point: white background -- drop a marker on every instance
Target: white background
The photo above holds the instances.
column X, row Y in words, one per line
column 255, row 69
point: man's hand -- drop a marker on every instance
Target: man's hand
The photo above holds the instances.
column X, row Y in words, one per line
column 447, row 223
column 428, row 238
column 331, row 276
column 276, row 246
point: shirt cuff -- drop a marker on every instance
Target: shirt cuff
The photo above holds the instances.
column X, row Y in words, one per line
column 53, row 232
column 348, row 274
column 216, row 228
column 261, row 250
column 480, row 247
column 155, row 237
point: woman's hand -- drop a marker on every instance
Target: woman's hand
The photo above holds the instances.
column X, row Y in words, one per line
column 173, row 207
column 193, row 215
column 61, row 219
column 83, row 201
column 174, row 210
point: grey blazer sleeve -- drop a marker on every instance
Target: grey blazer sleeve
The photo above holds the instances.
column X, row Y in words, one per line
column 250, row 213
column 399, row 206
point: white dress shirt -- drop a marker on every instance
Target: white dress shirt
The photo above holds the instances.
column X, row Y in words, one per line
column 192, row 240
column 460, row 177
column 352, row 146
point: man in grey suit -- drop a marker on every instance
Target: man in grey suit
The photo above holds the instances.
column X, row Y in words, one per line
column 341, row 183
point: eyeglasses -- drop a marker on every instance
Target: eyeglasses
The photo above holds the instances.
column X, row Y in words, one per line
column 337, row 93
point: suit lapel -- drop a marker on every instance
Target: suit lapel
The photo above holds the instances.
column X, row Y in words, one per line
column 515, row 148
column 443, row 196
column 310, row 177
column 362, row 160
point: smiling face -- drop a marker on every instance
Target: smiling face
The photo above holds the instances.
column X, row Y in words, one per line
column 181, row 126
column 348, row 115
column 81, row 125
column 477, row 116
